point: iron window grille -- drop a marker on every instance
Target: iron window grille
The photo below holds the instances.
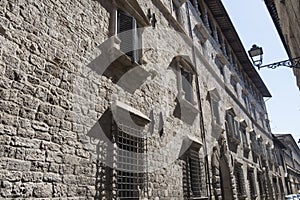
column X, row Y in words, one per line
column 240, row 181
column 261, row 185
column 131, row 172
column 251, row 178
column 192, row 186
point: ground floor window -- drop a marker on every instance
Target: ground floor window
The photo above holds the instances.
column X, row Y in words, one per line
column 130, row 162
column 192, row 186
column 240, row 181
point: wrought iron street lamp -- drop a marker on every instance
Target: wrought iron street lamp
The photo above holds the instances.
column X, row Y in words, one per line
column 256, row 53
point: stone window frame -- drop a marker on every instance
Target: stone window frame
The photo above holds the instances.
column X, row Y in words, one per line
column 261, row 184
column 252, row 185
column 191, row 168
column 214, row 99
column 232, row 126
column 233, row 82
column 183, row 63
column 254, row 145
column 132, row 8
column 240, row 180
column 244, row 130
column 128, row 135
column 245, row 97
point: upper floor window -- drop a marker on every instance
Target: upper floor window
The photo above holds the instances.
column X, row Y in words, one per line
column 214, row 103
column 233, row 82
column 127, row 29
column 185, row 73
column 243, row 130
column 232, row 125
column 187, row 84
column 246, row 100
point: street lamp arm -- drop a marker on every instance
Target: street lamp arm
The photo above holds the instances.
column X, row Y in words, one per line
column 291, row 63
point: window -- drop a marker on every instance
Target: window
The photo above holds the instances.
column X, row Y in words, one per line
column 261, row 185
column 192, row 174
column 244, row 133
column 233, row 82
column 253, row 108
column 214, row 101
column 128, row 177
column 251, row 179
column 240, row 181
column 130, row 162
column 232, row 127
column 185, row 77
column 187, row 84
column 262, row 120
column 186, row 106
column 246, row 100
column 129, row 36
column 243, row 130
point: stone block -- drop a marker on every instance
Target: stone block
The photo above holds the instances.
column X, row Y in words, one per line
column 43, row 190
column 14, row 164
column 31, row 176
column 35, row 155
column 52, row 177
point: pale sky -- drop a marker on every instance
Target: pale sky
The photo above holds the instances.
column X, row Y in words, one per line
column 255, row 26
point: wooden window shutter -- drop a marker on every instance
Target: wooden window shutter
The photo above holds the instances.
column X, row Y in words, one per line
column 129, row 39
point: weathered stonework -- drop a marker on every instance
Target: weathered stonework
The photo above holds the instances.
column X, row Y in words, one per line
column 80, row 120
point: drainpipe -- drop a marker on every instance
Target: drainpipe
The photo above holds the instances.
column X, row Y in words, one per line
column 202, row 129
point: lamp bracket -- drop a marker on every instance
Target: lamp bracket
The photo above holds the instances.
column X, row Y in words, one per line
column 291, row 63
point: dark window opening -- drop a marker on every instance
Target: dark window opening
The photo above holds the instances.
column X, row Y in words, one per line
column 129, row 36
column 240, row 182
column 187, row 84
column 192, row 174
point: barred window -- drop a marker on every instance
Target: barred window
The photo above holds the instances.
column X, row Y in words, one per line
column 240, row 181
column 192, row 174
column 130, row 162
column 251, row 178
column 261, row 185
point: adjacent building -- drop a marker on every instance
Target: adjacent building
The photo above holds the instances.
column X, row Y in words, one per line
column 286, row 19
column 290, row 156
column 131, row 99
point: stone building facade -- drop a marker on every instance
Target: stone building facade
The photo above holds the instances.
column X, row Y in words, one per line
column 286, row 19
column 290, row 154
column 130, row 99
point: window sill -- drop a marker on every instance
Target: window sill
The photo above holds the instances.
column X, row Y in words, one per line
column 220, row 56
column 203, row 31
column 118, row 67
column 188, row 111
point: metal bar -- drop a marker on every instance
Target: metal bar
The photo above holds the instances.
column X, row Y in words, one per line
column 291, row 63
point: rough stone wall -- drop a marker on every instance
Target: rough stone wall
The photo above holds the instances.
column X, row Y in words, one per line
column 289, row 25
column 45, row 45
column 51, row 99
